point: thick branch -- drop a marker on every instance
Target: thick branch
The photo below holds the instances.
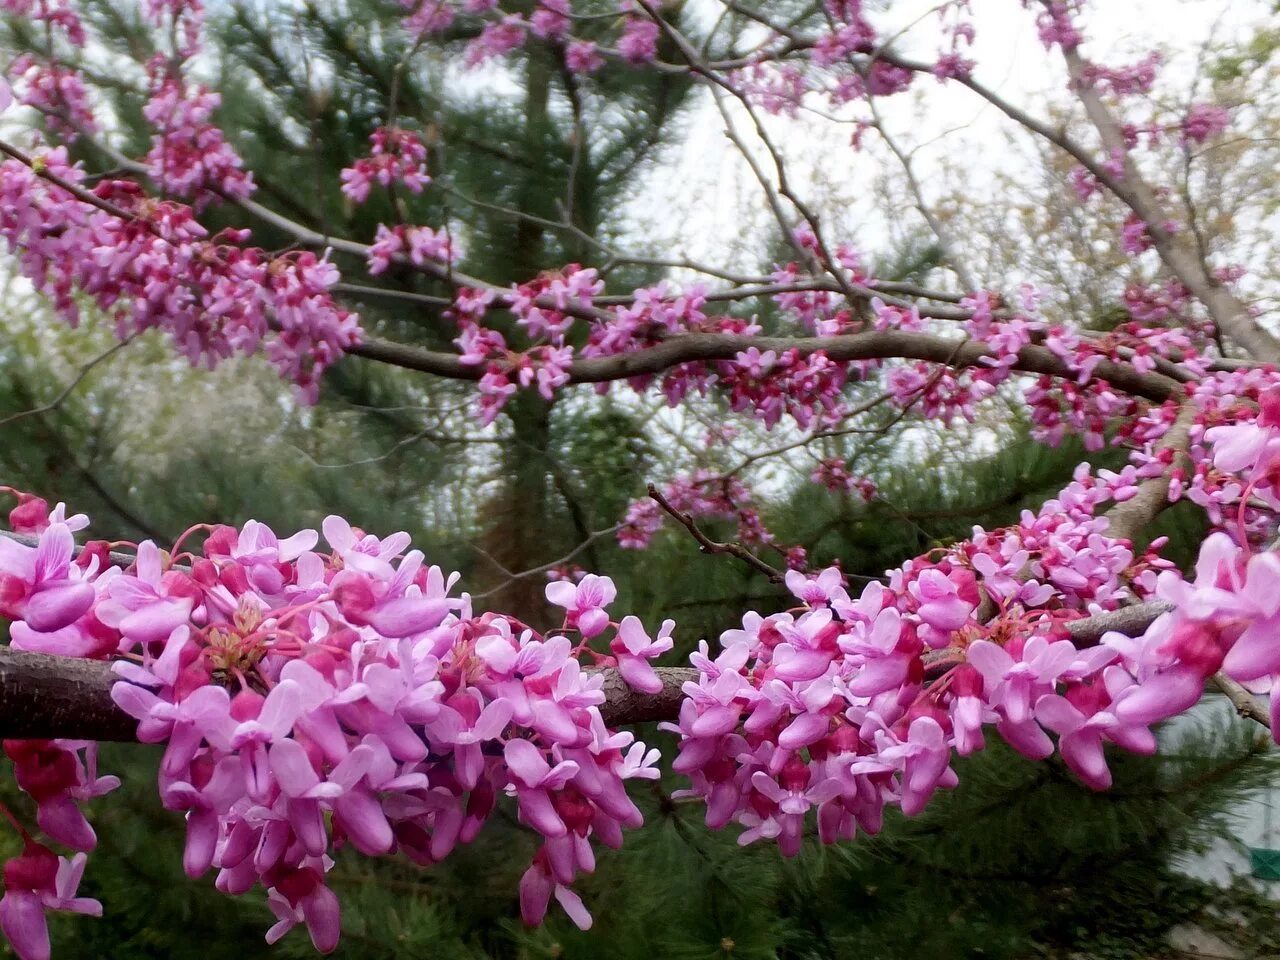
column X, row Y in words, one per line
column 43, row 696
column 1130, row 621
column 46, row 697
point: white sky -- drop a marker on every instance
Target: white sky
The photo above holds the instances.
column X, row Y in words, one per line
column 698, row 197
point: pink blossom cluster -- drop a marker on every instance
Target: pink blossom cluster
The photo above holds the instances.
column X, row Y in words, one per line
column 428, row 16
column 638, row 42
column 1157, row 303
column 312, row 700
column 1056, row 25
column 1225, row 619
column 396, row 156
column 1204, row 121
column 501, row 32
column 1125, row 80
column 58, row 92
column 544, row 309
column 843, row 706
column 417, row 245
column 150, row 264
column 189, row 157
column 181, row 19
column 952, row 64
column 940, row 393
column 701, row 495
column 778, row 88
column 833, row 473
column 58, row 17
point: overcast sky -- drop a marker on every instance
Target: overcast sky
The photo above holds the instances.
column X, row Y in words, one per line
column 703, row 196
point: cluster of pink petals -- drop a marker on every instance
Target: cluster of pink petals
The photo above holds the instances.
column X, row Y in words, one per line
column 1056, row 24
column 702, row 495
column 417, row 245
column 58, row 17
column 396, row 156
column 189, row 156
column 844, row 706
column 313, row 700
column 1204, row 121
column 58, row 92
column 833, row 473
column 545, row 310
column 156, row 267
column 36, row 881
column 1125, row 80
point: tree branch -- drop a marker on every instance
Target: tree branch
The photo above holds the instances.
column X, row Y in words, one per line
column 707, row 545
column 1246, row 704
column 46, row 697
column 704, row 347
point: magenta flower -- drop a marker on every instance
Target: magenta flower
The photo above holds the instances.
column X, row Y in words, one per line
column 534, row 781
column 584, row 602
column 204, row 806
column 941, row 606
column 149, row 607
column 809, row 646
column 923, row 759
column 55, row 596
column 1081, row 733
column 466, row 723
column 537, row 886
column 302, row 897
column 34, row 882
column 634, row 649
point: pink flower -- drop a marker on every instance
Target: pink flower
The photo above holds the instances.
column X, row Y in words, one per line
column 534, row 781
column 940, row 603
column 639, row 40
column 34, row 882
column 536, row 889
column 581, row 56
column 584, row 603
column 302, row 897
column 634, row 649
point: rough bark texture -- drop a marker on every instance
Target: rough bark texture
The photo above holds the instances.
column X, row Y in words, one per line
column 45, row 697
column 1130, row 621
column 874, row 345
column 624, row 705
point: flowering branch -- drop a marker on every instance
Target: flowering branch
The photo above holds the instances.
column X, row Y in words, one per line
column 52, row 697
column 44, row 697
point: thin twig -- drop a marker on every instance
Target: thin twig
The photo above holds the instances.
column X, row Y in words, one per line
column 66, row 391
column 707, row 545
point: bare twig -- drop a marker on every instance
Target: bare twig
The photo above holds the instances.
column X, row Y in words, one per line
column 1246, row 704
column 533, row 571
column 66, row 391
column 707, row 545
